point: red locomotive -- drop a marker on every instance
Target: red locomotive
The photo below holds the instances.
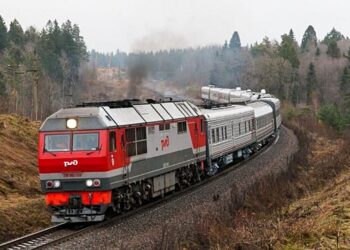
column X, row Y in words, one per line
column 112, row 156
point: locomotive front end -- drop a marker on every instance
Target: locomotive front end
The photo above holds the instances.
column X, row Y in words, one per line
column 72, row 159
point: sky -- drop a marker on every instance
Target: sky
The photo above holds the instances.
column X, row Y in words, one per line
column 133, row 25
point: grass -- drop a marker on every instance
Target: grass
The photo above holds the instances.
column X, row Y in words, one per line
column 22, row 206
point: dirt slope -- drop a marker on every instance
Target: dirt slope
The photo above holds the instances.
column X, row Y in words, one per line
column 22, row 206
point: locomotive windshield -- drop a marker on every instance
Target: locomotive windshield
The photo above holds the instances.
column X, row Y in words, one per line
column 85, row 142
column 57, row 143
column 62, row 142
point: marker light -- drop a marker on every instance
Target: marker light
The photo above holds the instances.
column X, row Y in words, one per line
column 89, row 183
column 72, row 123
column 97, row 183
column 49, row 184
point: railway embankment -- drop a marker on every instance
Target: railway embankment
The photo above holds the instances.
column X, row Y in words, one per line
column 22, row 206
column 307, row 206
column 176, row 223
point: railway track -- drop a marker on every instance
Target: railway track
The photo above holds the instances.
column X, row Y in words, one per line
column 60, row 233
column 33, row 240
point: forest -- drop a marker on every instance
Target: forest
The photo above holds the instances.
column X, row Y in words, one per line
column 39, row 70
column 42, row 71
column 314, row 73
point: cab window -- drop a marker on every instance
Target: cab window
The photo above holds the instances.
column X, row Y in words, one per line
column 57, row 143
column 88, row 141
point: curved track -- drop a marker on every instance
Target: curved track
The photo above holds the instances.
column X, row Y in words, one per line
column 60, row 233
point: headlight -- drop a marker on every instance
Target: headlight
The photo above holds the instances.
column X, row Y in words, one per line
column 89, row 183
column 56, row 184
column 72, row 123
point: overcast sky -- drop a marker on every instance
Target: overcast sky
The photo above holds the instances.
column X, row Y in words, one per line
column 128, row 25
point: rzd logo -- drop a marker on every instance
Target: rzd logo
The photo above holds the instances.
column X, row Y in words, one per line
column 165, row 142
column 70, row 163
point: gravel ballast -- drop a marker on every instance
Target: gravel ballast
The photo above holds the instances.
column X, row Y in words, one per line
column 145, row 230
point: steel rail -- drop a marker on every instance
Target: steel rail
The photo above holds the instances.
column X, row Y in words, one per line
column 24, row 241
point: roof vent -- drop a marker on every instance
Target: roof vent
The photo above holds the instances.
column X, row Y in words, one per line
column 238, row 88
column 263, row 91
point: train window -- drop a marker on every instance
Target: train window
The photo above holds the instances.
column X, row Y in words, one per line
column 136, row 141
column 222, row 133
column 112, row 142
column 249, row 126
column 130, row 134
column 217, row 134
column 181, row 127
column 165, row 126
column 245, row 127
column 213, row 136
column 86, row 141
column 142, row 147
column 141, row 133
column 225, row 133
column 57, row 143
column 239, row 128
column 131, row 149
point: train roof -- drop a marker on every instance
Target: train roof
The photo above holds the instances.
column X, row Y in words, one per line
column 102, row 115
column 260, row 108
column 226, row 111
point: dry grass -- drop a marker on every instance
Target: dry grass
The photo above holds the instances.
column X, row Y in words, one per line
column 22, row 207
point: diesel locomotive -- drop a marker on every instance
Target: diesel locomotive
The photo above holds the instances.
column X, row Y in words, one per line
column 109, row 157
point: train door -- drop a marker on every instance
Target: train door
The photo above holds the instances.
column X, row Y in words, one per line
column 123, row 155
column 196, row 136
column 112, row 149
column 233, row 133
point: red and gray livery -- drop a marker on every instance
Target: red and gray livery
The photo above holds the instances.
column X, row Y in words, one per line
column 111, row 156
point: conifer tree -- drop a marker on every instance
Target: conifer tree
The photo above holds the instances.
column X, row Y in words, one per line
column 291, row 34
column 15, row 33
column 287, row 51
column 333, row 36
column 309, row 39
column 311, row 82
column 345, row 82
column 333, row 50
column 3, row 34
column 235, row 42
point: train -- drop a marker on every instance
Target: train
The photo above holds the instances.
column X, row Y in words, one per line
column 104, row 158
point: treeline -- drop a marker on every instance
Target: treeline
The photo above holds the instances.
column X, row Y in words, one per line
column 314, row 72
column 39, row 70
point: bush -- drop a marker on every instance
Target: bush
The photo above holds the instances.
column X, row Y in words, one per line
column 330, row 115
